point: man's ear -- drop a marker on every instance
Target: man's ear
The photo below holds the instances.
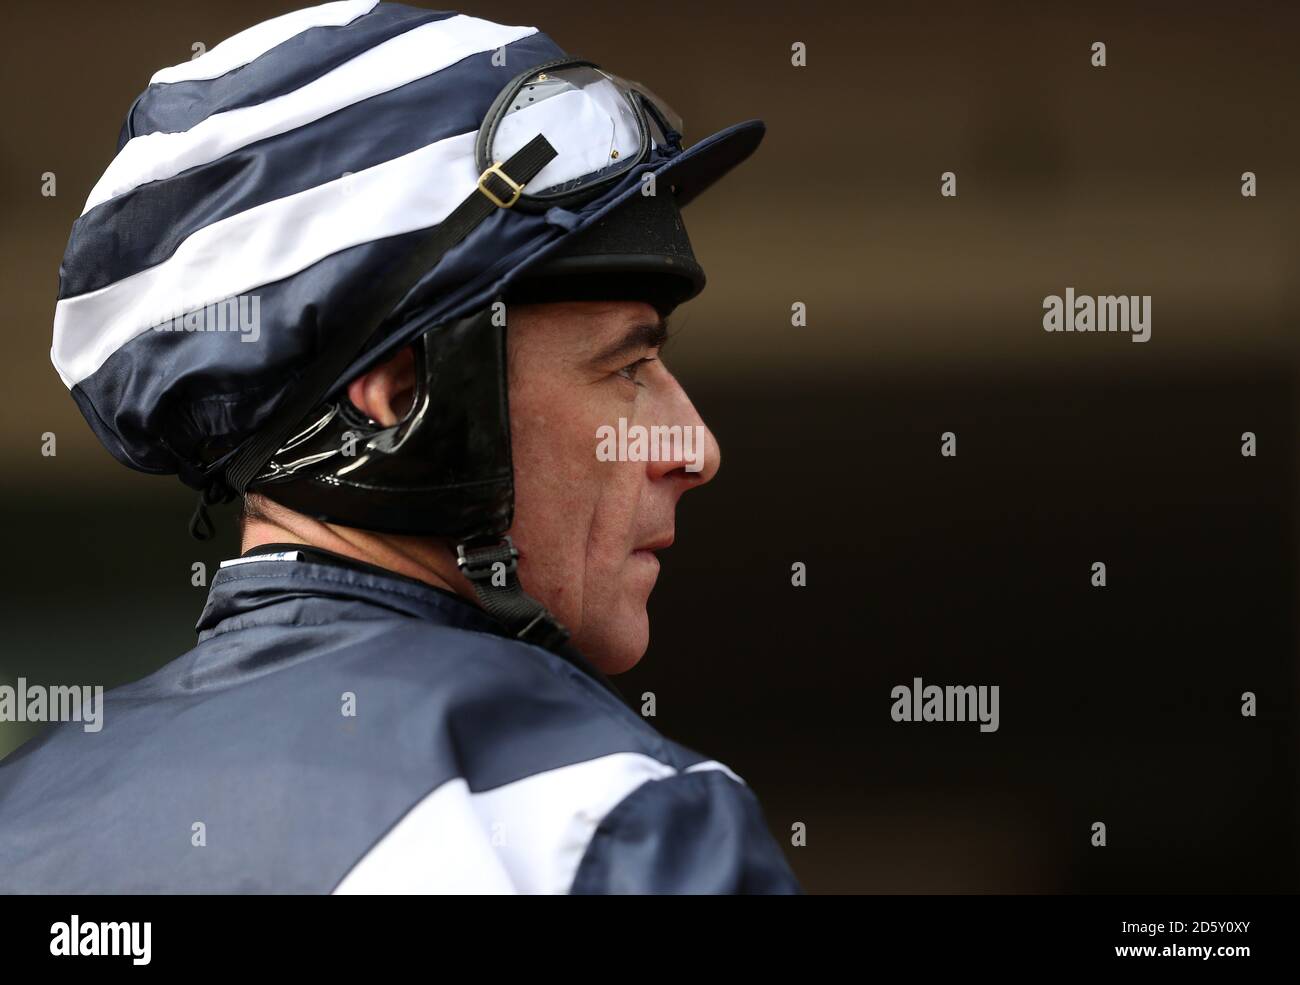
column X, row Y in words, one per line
column 384, row 394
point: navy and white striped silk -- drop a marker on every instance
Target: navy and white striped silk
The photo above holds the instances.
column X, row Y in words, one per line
column 260, row 190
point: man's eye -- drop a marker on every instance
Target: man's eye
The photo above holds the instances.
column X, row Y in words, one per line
column 629, row 372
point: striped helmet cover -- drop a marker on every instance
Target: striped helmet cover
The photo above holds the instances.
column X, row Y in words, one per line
column 257, row 190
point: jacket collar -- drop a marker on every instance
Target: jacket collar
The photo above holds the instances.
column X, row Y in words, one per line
column 282, row 584
column 254, row 589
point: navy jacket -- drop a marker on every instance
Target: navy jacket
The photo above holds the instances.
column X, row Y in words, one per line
column 339, row 728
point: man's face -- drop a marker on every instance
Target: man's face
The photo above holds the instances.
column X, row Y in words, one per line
column 586, row 529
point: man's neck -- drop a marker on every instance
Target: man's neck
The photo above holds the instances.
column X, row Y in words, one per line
column 420, row 558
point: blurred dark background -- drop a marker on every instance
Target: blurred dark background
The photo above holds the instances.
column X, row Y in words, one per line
column 1120, row 704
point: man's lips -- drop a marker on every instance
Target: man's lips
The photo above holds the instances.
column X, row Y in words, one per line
column 657, row 544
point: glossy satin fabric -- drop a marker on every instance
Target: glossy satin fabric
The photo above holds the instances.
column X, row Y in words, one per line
column 470, row 763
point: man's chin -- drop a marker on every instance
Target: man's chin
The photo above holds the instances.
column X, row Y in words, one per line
column 616, row 646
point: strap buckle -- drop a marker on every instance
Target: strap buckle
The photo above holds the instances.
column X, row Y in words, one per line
column 477, row 563
column 515, row 187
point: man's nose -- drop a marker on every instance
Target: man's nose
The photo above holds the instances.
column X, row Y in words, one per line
column 696, row 458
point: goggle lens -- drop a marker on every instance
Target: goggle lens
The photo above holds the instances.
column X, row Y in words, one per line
column 592, row 117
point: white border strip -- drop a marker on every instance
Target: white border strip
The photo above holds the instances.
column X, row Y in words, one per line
column 273, row 556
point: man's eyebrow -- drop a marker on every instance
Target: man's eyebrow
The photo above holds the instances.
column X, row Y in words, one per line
column 638, row 336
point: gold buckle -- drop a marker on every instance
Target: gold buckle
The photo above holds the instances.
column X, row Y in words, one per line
column 496, row 169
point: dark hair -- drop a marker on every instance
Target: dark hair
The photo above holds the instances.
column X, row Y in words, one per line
column 250, row 509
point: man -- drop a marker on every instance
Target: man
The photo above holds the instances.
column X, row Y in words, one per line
column 593, row 526
column 462, row 273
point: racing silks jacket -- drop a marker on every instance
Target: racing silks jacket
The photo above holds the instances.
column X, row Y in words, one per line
column 339, row 728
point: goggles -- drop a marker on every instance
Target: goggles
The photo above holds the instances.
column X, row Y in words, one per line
column 601, row 125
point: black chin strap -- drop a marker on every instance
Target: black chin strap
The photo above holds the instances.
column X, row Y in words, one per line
column 492, row 569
